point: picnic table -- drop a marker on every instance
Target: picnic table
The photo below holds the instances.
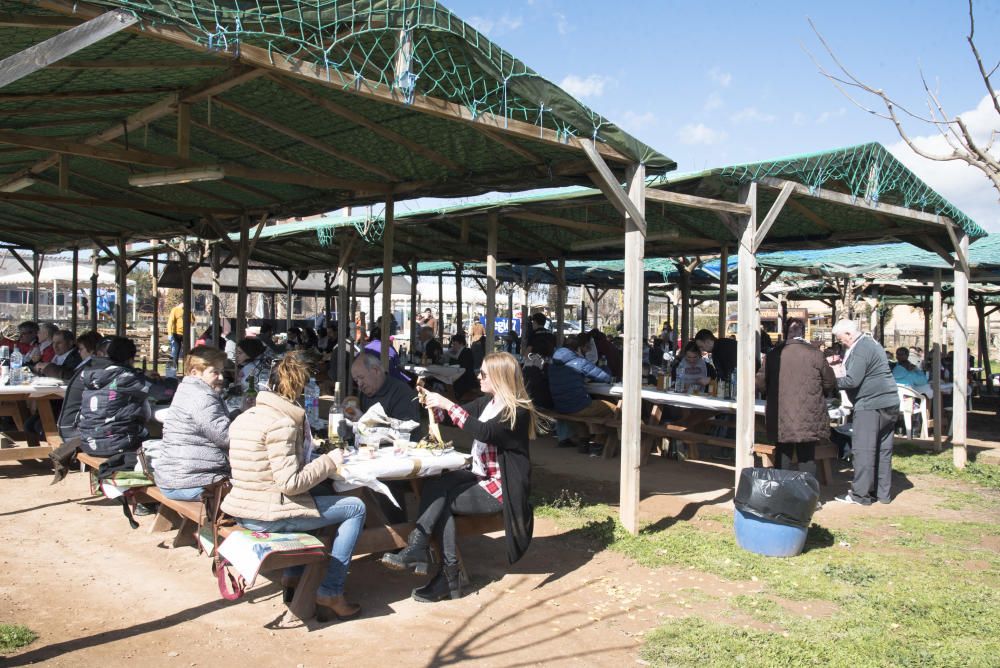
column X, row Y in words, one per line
column 667, row 398
column 15, row 403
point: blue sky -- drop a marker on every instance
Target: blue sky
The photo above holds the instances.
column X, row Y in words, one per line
column 711, row 83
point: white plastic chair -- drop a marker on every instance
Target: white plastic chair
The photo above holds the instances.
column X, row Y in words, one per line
column 910, row 402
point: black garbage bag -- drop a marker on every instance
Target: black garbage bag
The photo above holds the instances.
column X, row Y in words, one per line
column 786, row 497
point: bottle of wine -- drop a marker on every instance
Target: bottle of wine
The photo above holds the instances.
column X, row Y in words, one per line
column 250, row 396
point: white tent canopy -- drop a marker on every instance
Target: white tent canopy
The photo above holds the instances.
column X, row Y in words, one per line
column 60, row 274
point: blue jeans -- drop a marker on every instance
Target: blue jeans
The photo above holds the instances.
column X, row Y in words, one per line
column 348, row 512
column 183, row 493
column 176, row 341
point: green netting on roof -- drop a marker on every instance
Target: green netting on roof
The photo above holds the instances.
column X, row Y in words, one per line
column 411, row 47
column 869, row 171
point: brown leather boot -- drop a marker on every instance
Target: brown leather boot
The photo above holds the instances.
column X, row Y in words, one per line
column 330, row 607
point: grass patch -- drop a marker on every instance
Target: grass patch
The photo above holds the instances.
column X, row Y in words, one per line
column 955, row 500
column 910, row 460
column 15, row 636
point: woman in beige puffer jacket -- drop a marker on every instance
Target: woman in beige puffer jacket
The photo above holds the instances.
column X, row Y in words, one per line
column 273, row 484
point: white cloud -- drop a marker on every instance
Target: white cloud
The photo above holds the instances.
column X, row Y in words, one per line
column 591, row 85
column 752, row 115
column 701, row 134
column 827, row 115
column 713, row 102
column 798, row 118
column 486, row 25
column 635, row 122
column 562, row 23
column 720, row 77
column 963, row 185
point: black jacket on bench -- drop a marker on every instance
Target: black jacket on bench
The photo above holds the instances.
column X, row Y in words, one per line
column 74, row 396
column 113, row 409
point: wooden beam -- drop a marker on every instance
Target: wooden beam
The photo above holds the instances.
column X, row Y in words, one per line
column 117, row 204
column 694, row 202
column 559, row 222
column 162, row 64
column 32, row 21
column 633, row 338
column 257, row 148
column 365, row 122
column 63, row 173
column 858, row 203
column 57, row 47
column 960, row 242
column 492, row 225
column 84, row 94
column 936, row 352
column 305, row 139
column 326, row 75
column 772, row 214
column 508, row 144
column 605, row 179
column 932, row 243
column 235, row 76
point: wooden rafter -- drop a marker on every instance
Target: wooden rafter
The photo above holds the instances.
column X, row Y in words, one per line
column 116, row 204
column 365, row 122
column 305, row 139
column 324, row 74
column 695, row 202
column 560, row 222
column 122, row 64
column 84, row 94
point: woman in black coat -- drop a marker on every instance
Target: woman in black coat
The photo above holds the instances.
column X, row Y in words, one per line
column 501, row 422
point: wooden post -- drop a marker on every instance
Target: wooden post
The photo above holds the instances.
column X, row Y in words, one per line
column 960, row 366
column 121, row 274
column 344, row 350
column 459, row 306
column 936, row 361
column 76, row 291
column 288, row 300
column 849, row 298
column 631, row 414
column 413, row 305
column 645, row 312
column 492, row 224
column 94, row 266
column 746, row 333
column 373, row 284
column 327, row 297
column 35, row 269
column 684, row 278
column 983, row 341
column 241, row 280
column 561, row 299
column 156, row 310
column 525, row 319
column 510, row 314
column 927, row 328
column 186, row 274
column 723, row 289
column 596, row 303
column 440, row 318
column 217, row 296
column 388, row 240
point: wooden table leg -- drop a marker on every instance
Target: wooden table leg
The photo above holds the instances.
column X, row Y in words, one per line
column 48, row 420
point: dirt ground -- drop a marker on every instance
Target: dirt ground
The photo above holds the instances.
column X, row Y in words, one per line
column 97, row 593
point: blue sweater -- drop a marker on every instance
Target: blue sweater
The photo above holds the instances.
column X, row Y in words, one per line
column 567, row 374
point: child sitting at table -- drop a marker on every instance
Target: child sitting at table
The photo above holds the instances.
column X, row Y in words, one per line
column 501, row 422
column 194, row 451
column 692, row 372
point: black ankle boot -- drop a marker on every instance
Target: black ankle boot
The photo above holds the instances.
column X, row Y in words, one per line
column 415, row 555
column 446, row 584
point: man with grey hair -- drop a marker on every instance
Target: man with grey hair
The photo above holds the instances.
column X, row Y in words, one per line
column 864, row 374
column 398, row 399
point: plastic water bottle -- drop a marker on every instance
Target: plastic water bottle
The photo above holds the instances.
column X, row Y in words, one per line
column 16, row 361
column 312, row 401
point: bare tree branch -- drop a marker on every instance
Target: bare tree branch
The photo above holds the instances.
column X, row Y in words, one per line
column 953, row 130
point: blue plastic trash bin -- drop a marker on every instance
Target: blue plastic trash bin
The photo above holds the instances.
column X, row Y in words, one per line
column 772, row 539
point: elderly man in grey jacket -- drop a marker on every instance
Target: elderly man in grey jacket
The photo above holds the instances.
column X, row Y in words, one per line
column 864, row 374
column 195, row 448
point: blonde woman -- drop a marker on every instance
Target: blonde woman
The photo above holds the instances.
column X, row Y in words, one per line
column 477, row 343
column 274, row 484
column 501, row 422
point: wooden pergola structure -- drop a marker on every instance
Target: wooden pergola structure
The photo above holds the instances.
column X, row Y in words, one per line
column 843, row 197
column 130, row 121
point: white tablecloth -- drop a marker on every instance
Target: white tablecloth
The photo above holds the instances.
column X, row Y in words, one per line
column 664, row 397
column 445, row 373
column 370, row 473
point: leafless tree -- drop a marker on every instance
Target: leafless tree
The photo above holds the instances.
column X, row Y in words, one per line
column 964, row 147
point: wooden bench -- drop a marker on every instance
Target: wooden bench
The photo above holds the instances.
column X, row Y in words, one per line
column 612, row 424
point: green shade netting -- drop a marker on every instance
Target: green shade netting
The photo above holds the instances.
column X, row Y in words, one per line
column 413, row 47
